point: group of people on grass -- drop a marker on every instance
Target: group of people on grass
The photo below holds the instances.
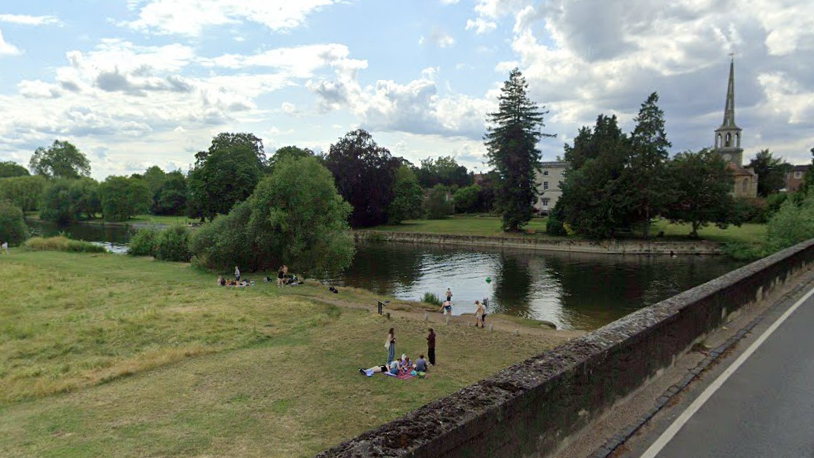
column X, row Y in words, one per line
column 404, row 365
column 283, row 278
column 480, row 312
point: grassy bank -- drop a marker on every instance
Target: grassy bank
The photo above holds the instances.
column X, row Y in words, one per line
column 490, row 226
column 138, row 219
column 464, row 225
column 104, row 355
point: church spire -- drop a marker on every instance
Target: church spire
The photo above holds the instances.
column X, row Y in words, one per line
column 728, row 136
column 729, row 112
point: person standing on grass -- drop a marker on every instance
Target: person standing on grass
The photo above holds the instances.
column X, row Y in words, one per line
column 485, row 311
column 479, row 315
column 431, row 347
column 390, row 344
column 280, row 276
column 237, row 274
column 4, row 247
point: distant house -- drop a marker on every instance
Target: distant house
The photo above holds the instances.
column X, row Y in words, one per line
column 795, row 177
column 548, row 184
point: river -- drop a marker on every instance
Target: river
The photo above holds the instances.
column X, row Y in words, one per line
column 572, row 290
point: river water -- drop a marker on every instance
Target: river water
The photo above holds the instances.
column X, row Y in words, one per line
column 572, row 290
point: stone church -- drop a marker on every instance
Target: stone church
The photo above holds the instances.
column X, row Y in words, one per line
column 728, row 145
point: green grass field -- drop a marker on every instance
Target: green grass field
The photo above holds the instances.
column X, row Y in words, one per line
column 490, row 226
column 105, row 355
column 464, row 225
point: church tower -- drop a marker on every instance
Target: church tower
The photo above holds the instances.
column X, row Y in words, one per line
column 728, row 145
column 728, row 136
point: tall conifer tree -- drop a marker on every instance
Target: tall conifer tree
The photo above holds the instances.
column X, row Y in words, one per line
column 511, row 142
column 647, row 177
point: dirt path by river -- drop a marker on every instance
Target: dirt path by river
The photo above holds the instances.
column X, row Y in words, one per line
column 494, row 323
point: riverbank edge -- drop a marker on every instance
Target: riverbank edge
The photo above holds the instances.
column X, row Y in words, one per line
column 650, row 247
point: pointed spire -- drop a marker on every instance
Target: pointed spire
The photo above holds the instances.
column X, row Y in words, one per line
column 729, row 112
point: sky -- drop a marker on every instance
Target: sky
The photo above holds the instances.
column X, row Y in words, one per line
column 136, row 83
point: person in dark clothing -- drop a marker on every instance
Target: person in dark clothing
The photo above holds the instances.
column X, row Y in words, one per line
column 431, row 347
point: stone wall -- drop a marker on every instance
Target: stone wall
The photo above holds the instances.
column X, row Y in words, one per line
column 654, row 246
column 530, row 409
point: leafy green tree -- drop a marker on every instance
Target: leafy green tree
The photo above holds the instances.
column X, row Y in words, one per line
column 10, row 169
column 299, row 214
column 647, row 175
column 225, row 174
column 172, row 196
column 408, row 202
column 466, row 199
column 702, row 186
column 511, row 142
column 123, row 198
column 365, row 176
column 288, row 152
column 771, row 172
column 294, row 217
column 594, row 200
column 57, row 204
column 60, row 160
column 488, row 190
column 85, row 198
column 439, row 203
column 23, row 191
column 13, row 229
column 444, row 170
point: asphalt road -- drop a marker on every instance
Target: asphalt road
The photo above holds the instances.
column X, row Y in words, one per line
column 765, row 408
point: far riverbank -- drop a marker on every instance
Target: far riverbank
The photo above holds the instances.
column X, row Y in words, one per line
column 563, row 244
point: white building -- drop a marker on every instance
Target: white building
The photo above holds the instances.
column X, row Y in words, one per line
column 548, row 184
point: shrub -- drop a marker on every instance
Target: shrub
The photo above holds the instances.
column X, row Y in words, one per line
column 431, row 298
column 223, row 243
column 791, row 225
column 437, row 204
column 62, row 243
column 142, row 243
column 172, row 244
column 12, row 225
column 751, row 210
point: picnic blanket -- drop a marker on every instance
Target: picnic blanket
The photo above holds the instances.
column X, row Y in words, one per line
column 403, row 375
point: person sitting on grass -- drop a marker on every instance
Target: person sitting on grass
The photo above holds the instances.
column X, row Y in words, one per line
column 421, row 364
column 405, row 363
column 221, row 281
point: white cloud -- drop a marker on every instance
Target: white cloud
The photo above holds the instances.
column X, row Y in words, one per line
column 449, row 2
column 189, row 17
column 300, row 61
column 480, row 25
column 7, row 49
column 39, row 89
column 414, row 107
column 438, row 38
column 28, row 20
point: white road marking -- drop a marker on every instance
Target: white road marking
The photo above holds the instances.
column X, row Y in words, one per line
column 668, row 435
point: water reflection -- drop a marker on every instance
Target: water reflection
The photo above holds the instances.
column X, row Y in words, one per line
column 572, row 290
column 113, row 237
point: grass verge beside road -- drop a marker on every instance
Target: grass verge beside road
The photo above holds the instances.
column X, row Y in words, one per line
column 104, row 355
